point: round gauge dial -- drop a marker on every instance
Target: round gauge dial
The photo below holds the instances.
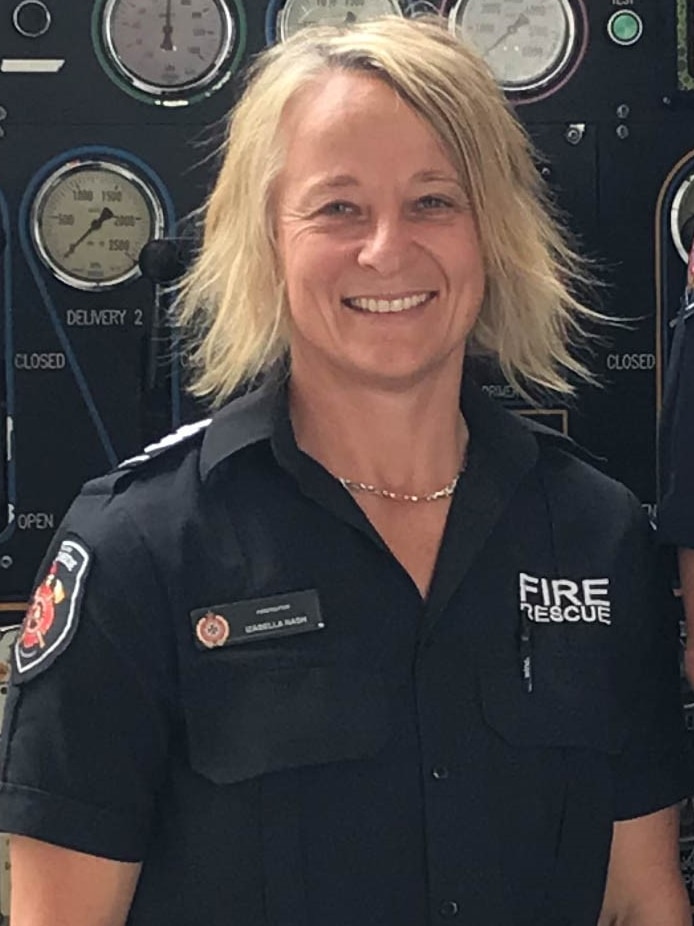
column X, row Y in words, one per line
column 526, row 43
column 168, row 47
column 682, row 218
column 298, row 13
column 89, row 221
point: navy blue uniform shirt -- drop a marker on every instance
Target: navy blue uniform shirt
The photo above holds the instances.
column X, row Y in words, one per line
column 382, row 760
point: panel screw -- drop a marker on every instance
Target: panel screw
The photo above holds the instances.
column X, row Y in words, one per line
column 574, row 133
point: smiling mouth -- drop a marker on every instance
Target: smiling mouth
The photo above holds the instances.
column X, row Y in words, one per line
column 382, row 306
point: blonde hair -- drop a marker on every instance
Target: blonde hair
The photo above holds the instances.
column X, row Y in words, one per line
column 233, row 298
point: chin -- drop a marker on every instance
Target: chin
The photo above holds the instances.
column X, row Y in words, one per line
column 395, row 378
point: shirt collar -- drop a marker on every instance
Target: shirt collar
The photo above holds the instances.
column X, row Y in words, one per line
column 243, row 421
column 263, row 413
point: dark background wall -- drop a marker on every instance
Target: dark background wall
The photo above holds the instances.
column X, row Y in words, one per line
column 84, row 377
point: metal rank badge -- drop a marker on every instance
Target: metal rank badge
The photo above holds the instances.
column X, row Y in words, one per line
column 212, row 630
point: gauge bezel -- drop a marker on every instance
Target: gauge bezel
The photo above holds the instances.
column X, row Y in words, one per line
column 538, row 86
column 58, row 177
column 685, row 188
column 280, row 27
column 190, row 91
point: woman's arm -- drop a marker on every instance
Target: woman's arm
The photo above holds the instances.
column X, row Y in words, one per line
column 53, row 886
column 644, row 884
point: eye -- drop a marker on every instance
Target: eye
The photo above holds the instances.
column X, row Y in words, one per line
column 338, row 208
column 433, row 202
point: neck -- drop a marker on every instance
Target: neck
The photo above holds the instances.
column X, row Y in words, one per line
column 409, row 440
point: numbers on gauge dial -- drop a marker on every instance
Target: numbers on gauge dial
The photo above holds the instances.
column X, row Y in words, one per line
column 90, row 223
column 296, row 14
column 525, row 43
column 168, row 44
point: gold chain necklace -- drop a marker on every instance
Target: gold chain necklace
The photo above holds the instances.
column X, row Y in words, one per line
column 445, row 492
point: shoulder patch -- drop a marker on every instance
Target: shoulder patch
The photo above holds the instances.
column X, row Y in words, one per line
column 170, row 440
column 53, row 613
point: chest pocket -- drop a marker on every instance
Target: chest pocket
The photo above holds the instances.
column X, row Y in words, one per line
column 573, row 702
column 556, row 744
column 249, row 713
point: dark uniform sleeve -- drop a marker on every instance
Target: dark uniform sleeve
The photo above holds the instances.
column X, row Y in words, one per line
column 654, row 768
column 85, row 736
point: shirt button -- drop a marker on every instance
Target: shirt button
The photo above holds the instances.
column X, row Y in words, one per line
column 449, row 908
column 440, row 772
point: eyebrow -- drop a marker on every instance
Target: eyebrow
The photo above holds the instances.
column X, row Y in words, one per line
column 435, row 176
column 338, row 182
column 341, row 181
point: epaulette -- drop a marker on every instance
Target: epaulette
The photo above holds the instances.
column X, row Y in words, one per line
column 106, row 484
column 184, row 433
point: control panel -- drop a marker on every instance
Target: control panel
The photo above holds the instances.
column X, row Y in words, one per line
column 111, row 114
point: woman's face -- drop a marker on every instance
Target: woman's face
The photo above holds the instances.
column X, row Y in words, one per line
column 377, row 241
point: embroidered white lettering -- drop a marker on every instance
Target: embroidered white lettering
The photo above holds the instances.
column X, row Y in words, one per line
column 564, row 600
column 565, row 588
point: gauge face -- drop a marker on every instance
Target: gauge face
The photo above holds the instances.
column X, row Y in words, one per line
column 90, row 220
column 682, row 218
column 526, row 44
column 296, row 14
column 168, row 47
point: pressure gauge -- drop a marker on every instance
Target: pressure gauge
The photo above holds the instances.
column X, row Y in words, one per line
column 682, row 218
column 89, row 221
column 169, row 48
column 298, row 13
column 528, row 44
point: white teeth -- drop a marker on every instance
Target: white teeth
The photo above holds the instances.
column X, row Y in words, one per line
column 389, row 305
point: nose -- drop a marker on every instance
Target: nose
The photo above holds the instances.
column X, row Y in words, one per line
column 385, row 246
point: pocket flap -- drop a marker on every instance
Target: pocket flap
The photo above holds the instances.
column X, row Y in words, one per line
column 247, row 721
column 571, row 706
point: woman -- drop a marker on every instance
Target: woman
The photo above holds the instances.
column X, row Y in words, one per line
column 355, row 653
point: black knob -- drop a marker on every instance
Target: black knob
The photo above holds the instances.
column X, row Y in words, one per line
column 160, row 261
column 31, row 18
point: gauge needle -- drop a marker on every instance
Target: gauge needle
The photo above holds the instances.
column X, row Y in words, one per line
column 95, row 225
column 514, row 27
column 167, row 42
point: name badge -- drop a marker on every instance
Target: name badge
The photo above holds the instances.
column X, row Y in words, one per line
column 257, row 619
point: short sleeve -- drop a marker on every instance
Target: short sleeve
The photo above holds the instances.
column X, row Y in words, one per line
column 655, row 768
column 84, row 740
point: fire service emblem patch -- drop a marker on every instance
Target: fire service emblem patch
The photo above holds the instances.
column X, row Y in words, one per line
column 53, row 611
